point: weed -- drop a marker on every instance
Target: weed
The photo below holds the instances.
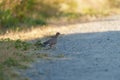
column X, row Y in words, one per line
column 26, row 58
column 21, row 45
column 60, row 56
column 11, row 62
column 5, row 40
column 38, row 44
column 30, row 21
column 71, row 15
column 7, row 19
column 94, row 12
column 18, row 54
column 1, row 75
column 42, row 55
column 12, row 55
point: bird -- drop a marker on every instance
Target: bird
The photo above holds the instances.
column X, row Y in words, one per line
column 52, row 41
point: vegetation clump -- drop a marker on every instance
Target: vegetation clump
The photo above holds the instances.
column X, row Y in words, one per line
column 13, row 55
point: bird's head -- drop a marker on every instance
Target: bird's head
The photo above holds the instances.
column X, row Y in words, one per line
column 57, row 34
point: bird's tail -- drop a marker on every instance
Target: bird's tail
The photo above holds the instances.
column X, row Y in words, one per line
column 39, row 43
column 44, row 44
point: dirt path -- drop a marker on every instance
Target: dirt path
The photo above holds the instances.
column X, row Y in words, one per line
column 91, row 52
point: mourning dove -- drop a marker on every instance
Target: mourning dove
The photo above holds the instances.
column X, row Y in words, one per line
column 52, row 41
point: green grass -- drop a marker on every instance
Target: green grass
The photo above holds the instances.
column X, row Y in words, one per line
column 11, row 62
column 21, row 45
column 12, row 54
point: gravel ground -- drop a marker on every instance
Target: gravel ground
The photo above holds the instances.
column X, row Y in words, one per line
column 91, row 52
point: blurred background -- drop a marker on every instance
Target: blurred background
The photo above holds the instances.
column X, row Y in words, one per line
column 16, row 14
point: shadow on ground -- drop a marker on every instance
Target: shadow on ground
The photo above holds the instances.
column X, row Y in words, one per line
column 87, row 56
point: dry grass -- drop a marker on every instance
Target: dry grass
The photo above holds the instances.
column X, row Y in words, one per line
column 35, row 33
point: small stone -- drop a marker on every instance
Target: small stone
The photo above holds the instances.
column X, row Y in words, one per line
column 106, row 70
column 108, row 38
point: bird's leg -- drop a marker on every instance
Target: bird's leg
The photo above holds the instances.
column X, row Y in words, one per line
column 53, row 47
column 49, row 47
